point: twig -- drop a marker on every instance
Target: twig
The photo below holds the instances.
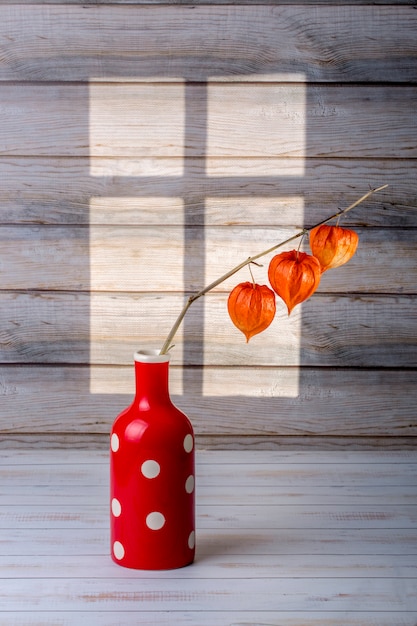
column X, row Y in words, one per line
column 168, row 342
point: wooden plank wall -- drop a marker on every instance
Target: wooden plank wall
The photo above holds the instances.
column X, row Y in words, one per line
column 146, row 148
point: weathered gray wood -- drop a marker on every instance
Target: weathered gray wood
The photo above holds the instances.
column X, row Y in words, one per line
column 243, row 442
column 253, row 120
column 128, row 258
column 187, row 618
column 226, row 541
column 52, row 496
column 192, row 3
column 314, row 43
column 238, row 403
column 160, row 594
column 15, row 442
column 239, row 516
column 237, row 191
column 52, row 499
column 121, row 125
column 30, row 457
column 102, row 328
column 353, row 564
column 251, row 566
column 317, row 474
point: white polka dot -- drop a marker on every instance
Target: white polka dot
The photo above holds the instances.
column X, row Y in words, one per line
column 155, row 520
column 191, row 540
column 116, row 507
column 114, row 442
column 118, row 550
column 189, row 484
column 150, row 469
column 188, row 443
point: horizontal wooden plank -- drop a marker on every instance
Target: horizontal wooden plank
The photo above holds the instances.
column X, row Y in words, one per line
column 235, row 474
column 222, row 120
column 241, row 402
column 70, row 258
column 348, row 567
column 231, row 566
column 239, row 517
column 216, row 192
column 71, row 456
column 106, row 328
column 236, row 442
column 225, row 43
column 89, row 3
column 337, row 495
column 199, row 618
column 220, row 442
column 227, row 541
column 159, row 595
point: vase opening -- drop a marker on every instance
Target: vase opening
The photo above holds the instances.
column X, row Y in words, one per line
column 150, row 356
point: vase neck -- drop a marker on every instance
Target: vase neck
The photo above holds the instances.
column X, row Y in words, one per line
column 151, row 376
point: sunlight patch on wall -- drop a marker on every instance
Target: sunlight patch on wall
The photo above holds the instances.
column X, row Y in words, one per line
column 121, row 380
column 243, row 120
column 135, row 120
column 144, row 167
column 137, row 146
column 226, row 248
column 255, row 168
column 281, row 342
column 128, row 278
column 131, row 258
column 255, row 382
column 132, row 211
column 120, row 324
column 255, row 210
column 279, row 345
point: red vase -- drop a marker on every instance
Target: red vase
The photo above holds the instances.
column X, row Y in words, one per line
column 152, row 475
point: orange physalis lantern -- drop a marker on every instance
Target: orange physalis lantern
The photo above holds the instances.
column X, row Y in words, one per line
column 332, row 245
column 294, row 276
column 251, row 308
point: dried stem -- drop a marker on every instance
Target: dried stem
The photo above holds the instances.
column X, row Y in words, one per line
column 168, row 342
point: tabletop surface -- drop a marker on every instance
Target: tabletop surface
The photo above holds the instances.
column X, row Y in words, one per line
column 283, row 539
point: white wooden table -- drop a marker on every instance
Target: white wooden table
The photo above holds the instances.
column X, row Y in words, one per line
column 283, row 538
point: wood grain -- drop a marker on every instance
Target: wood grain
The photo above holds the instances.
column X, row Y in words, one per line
column 10, row 458
column 93, row 3
column 239, row 517
column 218, row 442
column 147, row 148
column 233, row 43
column 161, row 595
column 74, row 566
column 347, row 560
column 133, row 258
column 287, row 474
column 217, row 192
column 187, row 618
column 243, row 120
column 103, row 328
column 52, row 496
column 239, row 404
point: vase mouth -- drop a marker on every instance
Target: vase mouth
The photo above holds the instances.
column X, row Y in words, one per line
column 150, row 356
